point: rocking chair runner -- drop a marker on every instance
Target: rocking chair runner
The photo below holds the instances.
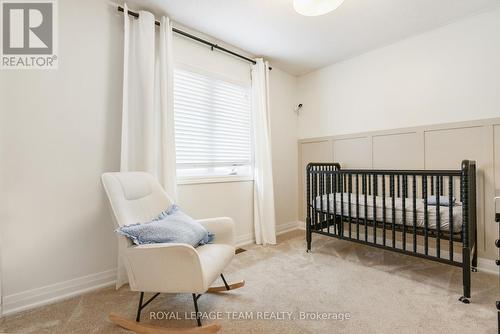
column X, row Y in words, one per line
column 166, row 267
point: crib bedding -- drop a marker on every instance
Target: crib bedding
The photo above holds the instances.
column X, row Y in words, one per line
column 444, row 213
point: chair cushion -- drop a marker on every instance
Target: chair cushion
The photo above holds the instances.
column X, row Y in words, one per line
column 214, row 258
column 172, row 226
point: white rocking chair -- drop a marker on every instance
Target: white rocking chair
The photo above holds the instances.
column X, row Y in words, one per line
column 136, row 197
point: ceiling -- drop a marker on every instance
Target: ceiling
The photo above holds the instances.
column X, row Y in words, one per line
column 300, row 44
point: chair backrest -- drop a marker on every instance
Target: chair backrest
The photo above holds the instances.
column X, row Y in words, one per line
column 135, row 197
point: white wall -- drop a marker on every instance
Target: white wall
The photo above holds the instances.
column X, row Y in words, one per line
column 445, row 75
column 61, row 131
column 3, row 195
column 283, row 88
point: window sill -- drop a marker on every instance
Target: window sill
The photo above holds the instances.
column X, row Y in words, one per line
column 214, row 179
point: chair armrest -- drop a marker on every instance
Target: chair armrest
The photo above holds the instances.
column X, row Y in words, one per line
column 222, row 227
column 164, row 267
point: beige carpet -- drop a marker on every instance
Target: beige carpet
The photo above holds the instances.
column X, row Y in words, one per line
column 383, row 292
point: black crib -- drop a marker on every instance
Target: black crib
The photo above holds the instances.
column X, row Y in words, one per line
column 392, row 210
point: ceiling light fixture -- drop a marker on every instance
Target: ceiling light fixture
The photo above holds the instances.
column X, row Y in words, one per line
column 315, row 7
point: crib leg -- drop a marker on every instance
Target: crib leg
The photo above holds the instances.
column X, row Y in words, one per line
column 474, row 260
column 474, row 257
column 308, row 234
column 466, row 267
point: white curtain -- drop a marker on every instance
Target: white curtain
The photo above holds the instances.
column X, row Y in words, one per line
column 147, row 118
column 264, row 217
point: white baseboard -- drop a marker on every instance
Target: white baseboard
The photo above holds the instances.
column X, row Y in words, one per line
column 56, row 292
column 287, row 227
column 487, row 265
column 249, row 238
column 245, row 239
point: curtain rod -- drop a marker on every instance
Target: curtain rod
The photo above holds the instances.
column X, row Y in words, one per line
column 196, row 38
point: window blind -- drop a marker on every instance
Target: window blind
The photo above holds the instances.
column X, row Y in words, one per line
column 212, row 126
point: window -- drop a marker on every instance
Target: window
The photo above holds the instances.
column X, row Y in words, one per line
column 212, row 127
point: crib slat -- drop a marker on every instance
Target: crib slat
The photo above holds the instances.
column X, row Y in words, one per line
column 374, row 198
column 414, row 199
column 426, row 216
column 369, row 184
column 384, row 214
column 399, row 185
column 357, row 206
column 406, row 180
column 349, row 201
column 366, row 207
column 403, row 203
column 438, row 217
column 441, row 182
column 393, row 203
column 450, row 218
column 324, row 191
column 432, row 185
column 460, row 189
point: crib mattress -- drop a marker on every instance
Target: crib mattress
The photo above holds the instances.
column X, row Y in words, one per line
column 432, row 222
